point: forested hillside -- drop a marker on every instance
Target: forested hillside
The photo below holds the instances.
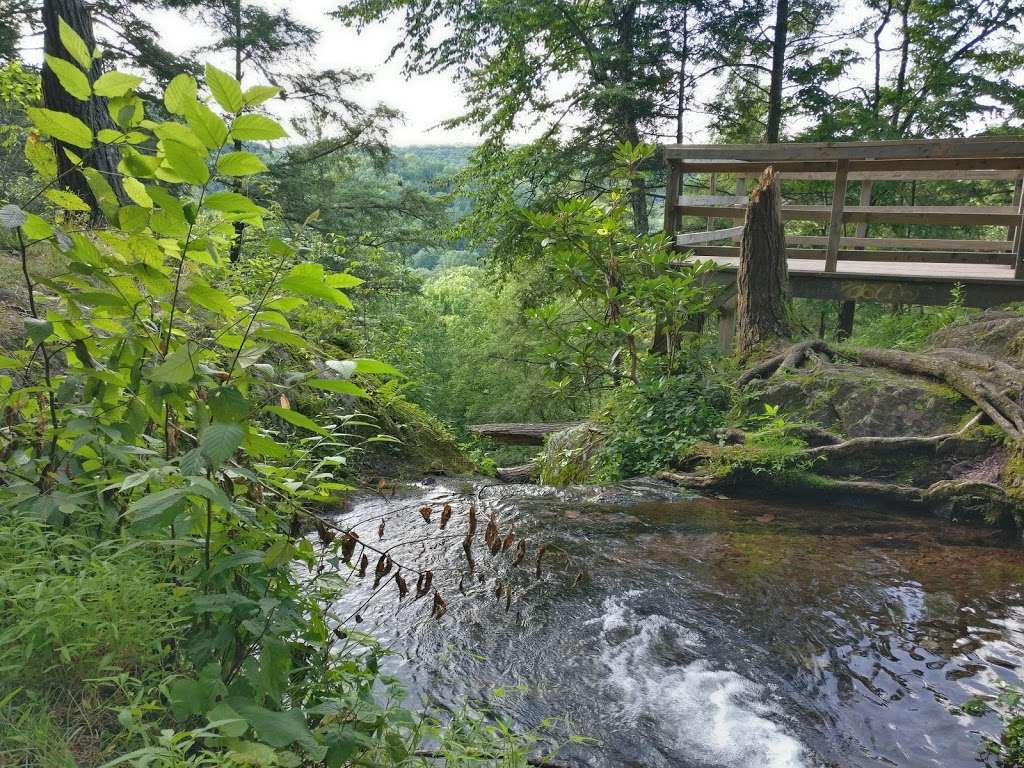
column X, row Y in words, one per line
column 244, row 336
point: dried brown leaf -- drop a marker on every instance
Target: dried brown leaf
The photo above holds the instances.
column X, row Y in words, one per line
column 423, row 583
column 499, row 589
column 348, row 545
column 425, row 512
column 380, row 529
column 403, row 588
column 440, row 606
column 472, row 520
column 540, row 554
column 467, row 547
column 507, row 543
column 520, row 552
column 364, row 561
column 446, row 515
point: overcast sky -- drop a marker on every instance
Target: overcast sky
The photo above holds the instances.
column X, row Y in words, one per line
column 424, row 101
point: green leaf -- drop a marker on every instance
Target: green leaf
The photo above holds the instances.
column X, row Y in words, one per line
column 212, row 299
column 231, row 202
column 136, row 190
column 220, row 440
column 11, row 216
column 228, row 722
column 181, row 92
column 278, row 729
column 36, row 227
column 309, row 280
column 297, row 419
column 67, row 200
column 343, row 280
column 38, row 330
column 240, row 164
column 71, row 78
column 200, row 486
column 66, row 128
column 256, row 128
column 339, row 386
column 176, row 369
column 155, row 504
column 225, row 89
column 115, row 84
column 367, row 365
column 257, row 94
column 210, row 129
column 74, row 44
column 186, row 164
column 227, row 404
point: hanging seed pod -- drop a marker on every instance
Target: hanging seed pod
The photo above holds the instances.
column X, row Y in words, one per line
column 403, row 588
column 496, row 545
column 364, row 561
column 491, row 533
column 446, row 515
column 472, row 520
column 383, row 566
column 499, row 589
column 423, row 583
column 508, row 599
column 425, row 512
column 323, row 533
column 462, row 588
column 381, row 485
column 540, row 554
column 520, row 552
column 380, row 529
column 348, row 545
column 439, row 607
column 467, row 547
column 507, row 543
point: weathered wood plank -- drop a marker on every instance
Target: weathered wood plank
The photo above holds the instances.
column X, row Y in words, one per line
column 905, row 243
column 672, row 199
column 690, row 238
column 896, row 256
column 999, row 215
column 835, row 223
column 957, row 148
column 712, row 200
column 932, row 288
column 1012, row 166
column 521, row 434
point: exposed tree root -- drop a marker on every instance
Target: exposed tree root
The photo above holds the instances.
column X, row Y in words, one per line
column 857, row 446
column 996, row 387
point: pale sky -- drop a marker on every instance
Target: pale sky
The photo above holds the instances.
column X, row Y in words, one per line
column 424, row 101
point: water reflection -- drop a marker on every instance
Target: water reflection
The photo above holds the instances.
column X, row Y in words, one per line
column 710, row 632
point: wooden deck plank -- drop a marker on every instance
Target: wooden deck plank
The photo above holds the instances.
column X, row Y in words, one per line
column 906, row 243
column 859, row 169
column 901, row 149
column 999, row 215
column 902, row 256
column 901, row 270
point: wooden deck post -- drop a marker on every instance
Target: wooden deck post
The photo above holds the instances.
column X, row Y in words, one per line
column 727, row 326
column 1018, row 193
column 712, row 190
column 835, row 224
column 1018, row 243
column 848, row 309
column 672, row 201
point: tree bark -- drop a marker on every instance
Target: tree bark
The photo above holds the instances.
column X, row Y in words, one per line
column 762, row 282
column 102, row 157
column 774, row 122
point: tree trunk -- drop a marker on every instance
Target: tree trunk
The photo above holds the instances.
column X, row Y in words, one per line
column 762, row 280
column 774, row 123
column 102, row 157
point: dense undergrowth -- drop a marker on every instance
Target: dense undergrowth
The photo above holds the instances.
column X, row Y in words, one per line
column 171, row 433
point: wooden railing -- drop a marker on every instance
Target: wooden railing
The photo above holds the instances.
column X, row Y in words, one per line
column 988, row 159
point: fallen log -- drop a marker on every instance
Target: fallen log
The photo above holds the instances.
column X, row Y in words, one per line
column 521, row 434
column 521, row 473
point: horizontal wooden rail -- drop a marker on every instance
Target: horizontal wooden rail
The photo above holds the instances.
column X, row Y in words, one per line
column 999, row 215
column 713, row 200
column 907, row 256
column 905, row 243
column 1014, row 166
column 985, row 148
column 690, row 238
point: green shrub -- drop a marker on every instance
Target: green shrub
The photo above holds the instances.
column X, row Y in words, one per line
column 652, row 425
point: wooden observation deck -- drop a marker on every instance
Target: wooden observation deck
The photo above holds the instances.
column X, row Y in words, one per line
column 982, row 250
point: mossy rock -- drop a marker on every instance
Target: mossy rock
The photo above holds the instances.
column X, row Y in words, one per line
column 996, row 333
column 859, row 402
column 971, row 501
column 571, row 457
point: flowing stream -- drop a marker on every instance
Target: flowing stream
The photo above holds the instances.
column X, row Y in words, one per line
column 679, row 631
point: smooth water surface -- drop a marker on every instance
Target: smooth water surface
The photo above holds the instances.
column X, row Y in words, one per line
column 705, row 632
